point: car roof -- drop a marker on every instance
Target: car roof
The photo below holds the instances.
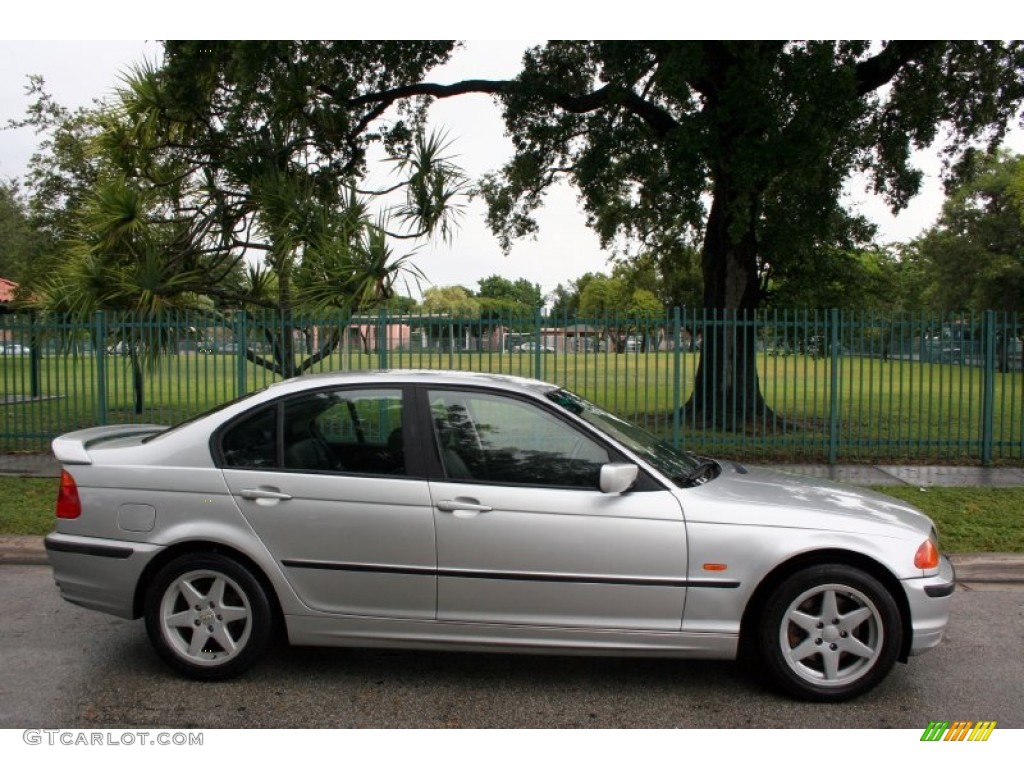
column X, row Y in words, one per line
column 412, row 376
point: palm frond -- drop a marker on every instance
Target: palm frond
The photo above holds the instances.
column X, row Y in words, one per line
column 436, row 188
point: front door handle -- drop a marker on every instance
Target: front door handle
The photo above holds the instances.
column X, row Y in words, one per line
column 264, row 494
column 462, row 505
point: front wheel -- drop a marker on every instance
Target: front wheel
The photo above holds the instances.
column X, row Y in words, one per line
column 829, row 633
column 208, row 616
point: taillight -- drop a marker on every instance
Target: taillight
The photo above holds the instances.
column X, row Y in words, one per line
column 69, row 506
column 927, row 556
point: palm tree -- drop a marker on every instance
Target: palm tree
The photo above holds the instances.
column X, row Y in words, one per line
column 124, row 260
column 265, row 224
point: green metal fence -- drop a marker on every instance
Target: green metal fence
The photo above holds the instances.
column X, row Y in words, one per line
column 837, row 386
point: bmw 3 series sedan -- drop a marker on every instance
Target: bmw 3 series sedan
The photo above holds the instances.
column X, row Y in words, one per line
column 429, row 510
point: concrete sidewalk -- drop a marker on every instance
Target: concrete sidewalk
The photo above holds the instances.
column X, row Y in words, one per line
column 916, row 476
column 29, row 465
column 975, row 570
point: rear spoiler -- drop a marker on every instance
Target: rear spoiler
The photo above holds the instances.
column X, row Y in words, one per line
column 73, row 448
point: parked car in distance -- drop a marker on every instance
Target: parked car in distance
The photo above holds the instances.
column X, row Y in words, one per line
column 458, row 511
column 11, row 348
column 532, row 346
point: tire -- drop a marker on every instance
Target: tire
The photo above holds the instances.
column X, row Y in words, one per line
column 208, row 617
column 829, row 633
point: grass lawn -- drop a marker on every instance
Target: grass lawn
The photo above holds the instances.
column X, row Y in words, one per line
column 968, row 519
column 26, row 505
column 971, row 519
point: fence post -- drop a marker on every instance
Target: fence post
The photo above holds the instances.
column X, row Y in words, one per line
column 100, row 350
column 242, row 349
column 537, row 349
column 382, row 340
column 676, row 375
column 988, row 393
column 35, row 356
column 833, row 419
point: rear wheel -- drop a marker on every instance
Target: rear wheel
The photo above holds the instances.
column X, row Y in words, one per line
column 829, row 633
column 208, row 616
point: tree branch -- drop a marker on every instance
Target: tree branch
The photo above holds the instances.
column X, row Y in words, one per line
column 881, row 68
column 656, row 118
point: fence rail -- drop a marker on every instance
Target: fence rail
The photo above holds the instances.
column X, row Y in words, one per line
column 836, row 385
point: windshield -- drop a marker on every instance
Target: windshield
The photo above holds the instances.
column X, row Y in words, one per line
column 671, row 462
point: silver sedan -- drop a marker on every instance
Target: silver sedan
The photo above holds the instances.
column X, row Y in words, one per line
column 414, row 509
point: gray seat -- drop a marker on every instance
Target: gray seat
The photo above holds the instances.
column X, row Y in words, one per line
column 455, row 466
column 305, row 449
column 309, row 453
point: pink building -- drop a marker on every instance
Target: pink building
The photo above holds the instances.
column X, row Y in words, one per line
column 7, row 288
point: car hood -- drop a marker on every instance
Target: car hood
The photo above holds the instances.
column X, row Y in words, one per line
column 760, row 496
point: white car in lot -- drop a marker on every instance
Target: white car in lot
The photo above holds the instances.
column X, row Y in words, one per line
column 532, row 346
column 417, row 509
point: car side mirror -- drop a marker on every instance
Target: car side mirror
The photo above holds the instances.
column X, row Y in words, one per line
column 618, row 477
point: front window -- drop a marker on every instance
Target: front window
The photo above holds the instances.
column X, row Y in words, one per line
column 495, row 439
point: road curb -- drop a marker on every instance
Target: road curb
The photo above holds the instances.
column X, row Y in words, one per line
column 989, row 567
column 22, row 550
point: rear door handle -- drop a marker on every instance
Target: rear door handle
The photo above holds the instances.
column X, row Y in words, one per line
column 264, row 494
column 462, row 505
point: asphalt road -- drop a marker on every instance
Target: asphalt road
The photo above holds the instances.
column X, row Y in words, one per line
column 66, row 667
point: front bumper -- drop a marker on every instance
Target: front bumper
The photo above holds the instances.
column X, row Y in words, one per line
column 100, row 574
column 930, row 600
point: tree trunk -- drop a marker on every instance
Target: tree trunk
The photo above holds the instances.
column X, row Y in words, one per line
column 727, row 391
column 284, row 348
column 138, row 381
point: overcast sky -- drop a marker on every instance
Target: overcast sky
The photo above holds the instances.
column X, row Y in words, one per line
column 77, row 72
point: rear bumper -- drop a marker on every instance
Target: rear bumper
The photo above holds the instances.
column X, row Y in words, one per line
column 97, row 573
column 930, row 600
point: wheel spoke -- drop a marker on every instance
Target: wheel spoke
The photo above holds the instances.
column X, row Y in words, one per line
column 180, row 619
column 199, row 637
column 189, row 592
column 831, row 664
column 854, row 646
column 216, row 593
column 804, row 650
column 829, row 608
column 221, row 635
column 232, row 613
column 804, row 621
column 850, row 621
